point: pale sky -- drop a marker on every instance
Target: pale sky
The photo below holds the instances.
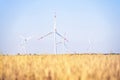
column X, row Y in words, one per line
column 90, row 25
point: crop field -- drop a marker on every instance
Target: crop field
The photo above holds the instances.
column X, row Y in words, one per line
column 60, row 67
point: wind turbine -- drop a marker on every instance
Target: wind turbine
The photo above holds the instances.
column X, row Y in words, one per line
column 54, row 32
column 90, row 46
column 24, row 42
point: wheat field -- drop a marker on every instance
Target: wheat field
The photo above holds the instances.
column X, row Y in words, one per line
column 60, row 67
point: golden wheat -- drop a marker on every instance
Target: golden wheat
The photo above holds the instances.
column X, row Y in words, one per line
column 60, row 67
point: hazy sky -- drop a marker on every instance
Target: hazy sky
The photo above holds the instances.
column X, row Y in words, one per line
column 90, row 25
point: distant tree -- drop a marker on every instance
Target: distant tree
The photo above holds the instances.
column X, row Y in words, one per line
column 35, row 54
column 18, row 54
column 112, row 53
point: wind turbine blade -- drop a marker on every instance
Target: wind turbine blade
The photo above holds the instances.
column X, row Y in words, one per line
column 65, row 40
column 45, row 35
column 61, row 36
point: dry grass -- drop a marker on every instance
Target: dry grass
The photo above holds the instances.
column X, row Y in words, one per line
column 60, row 67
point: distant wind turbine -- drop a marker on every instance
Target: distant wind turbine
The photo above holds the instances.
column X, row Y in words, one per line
column 24, row 42
column 90, row 46
column 54, row 32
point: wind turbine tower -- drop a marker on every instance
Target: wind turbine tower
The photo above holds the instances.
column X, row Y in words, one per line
column 55, row 31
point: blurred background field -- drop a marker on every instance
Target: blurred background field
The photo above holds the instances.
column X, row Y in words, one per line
column 60, row 67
